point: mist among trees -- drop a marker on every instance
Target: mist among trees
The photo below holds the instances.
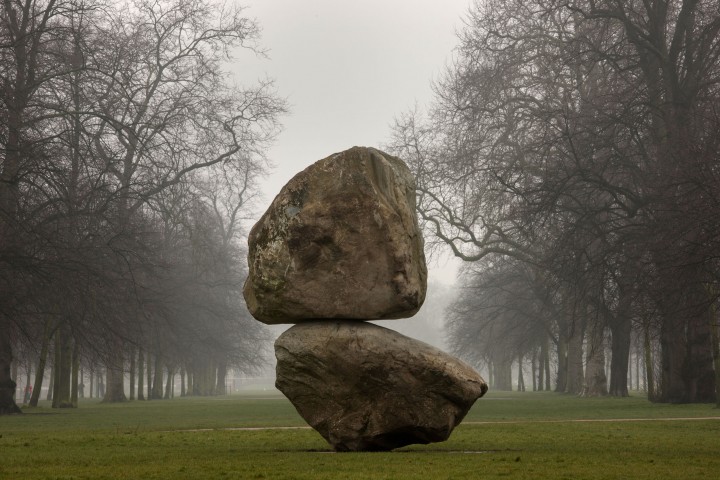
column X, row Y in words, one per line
column 130, row 158
column 570, row 157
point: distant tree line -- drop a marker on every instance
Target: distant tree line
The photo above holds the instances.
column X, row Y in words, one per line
column 129, row 159
column 572, row 158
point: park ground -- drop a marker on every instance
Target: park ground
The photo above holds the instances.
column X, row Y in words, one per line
column 258, row 435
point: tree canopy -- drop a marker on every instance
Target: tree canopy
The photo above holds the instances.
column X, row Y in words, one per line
column 575, row 143
column 130, row 158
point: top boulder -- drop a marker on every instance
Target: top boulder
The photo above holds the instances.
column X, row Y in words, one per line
column 341, row 240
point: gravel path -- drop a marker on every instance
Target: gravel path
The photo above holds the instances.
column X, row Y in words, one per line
column 490, row 422
column 596, row 420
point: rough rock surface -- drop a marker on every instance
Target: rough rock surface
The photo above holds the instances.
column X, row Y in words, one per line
column 340, row 240
column 367, row 388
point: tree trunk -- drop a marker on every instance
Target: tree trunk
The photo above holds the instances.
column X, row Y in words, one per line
column 82, row 382
column 220, row 388
column 673, row 352
column 75, row 372
column 541, row 368
column 649, row 370
column 57, row 352
column 629, row 379
column 157, row 390
column 620, row 346
column 715, row 330
column 169, row 383
column 205, row 377
column 27, row 391
column 7, row 383
column 63, row 368
column 39, row 376
column 637, row 365
column 132, row 373
column 100, row 384
column 114, row 387
column 51, row 386
column 562, row 360
column 40, row 373
column 699, row 374
column 595, row 380
column 149, row 377
column 521, row 380
column 575, row 358
column 502, row 375
column 182, row 382
column 115, row 381
column 140, row 374
column 621, row 328
column 92, row 380
column 14, row 373
column 546, row 361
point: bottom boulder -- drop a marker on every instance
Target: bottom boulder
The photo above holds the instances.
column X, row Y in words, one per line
column 368, row 388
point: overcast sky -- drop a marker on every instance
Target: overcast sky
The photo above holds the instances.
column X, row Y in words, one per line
column 347, row 68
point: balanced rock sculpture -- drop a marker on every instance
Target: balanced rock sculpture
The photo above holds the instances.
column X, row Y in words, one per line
column 365, row 387
column 340, row 240
column 340, row 244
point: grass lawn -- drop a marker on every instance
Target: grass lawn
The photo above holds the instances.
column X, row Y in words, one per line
column 508, row 435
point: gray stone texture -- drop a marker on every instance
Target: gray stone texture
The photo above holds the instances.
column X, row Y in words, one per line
column 367, row 388
column 340, row 240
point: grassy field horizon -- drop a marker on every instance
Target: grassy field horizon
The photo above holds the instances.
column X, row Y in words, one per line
column 506, row 434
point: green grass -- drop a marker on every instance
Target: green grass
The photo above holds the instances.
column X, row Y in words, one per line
column 506, row 435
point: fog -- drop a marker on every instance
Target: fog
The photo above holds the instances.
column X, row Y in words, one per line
column 428, row 324
column 347, row 69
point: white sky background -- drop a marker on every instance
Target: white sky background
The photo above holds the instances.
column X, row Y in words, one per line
column 347, row 69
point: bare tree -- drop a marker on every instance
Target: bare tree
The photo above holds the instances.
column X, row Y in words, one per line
column 675, row 47
column 104, row 110
column 165, row 107
column 577, row 137
column 34, row 36
column 496, row 319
